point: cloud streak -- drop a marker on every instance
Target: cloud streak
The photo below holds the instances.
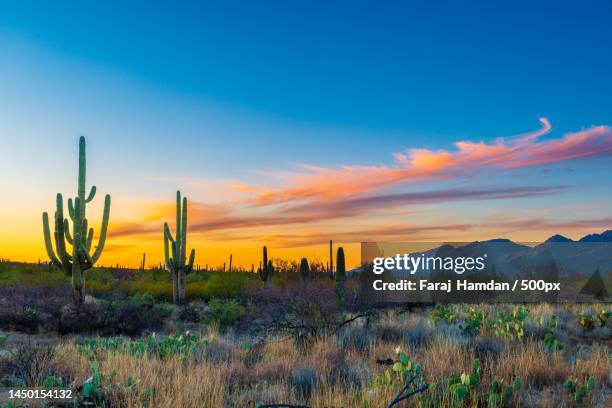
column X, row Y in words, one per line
column 468, row 158
column 206, row 218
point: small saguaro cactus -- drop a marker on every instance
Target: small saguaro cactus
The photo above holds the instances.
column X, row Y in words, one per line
column 340, row 272
column 230, row 263
column 331, row 259
column 266, row 270
column 176, row 263
column 304, row 269
column 79, row 259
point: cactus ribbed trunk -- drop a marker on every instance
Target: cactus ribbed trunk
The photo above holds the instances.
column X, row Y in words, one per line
column 80, row 259
column 176, row 261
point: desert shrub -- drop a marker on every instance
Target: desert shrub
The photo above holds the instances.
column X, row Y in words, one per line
column 349, row 374
column 28, row 308
column 359, row 339
column 77, row 318
column 487, row 347
column 420, row 334
column 303, row 380
column 224, row 312
column 137, row 315
column 388, row 332
column 188, row 313
column 115, row 315
column 220, row 285
column 31, row 366
column 216, row 352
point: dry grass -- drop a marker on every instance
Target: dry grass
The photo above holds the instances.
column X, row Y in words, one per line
column 339, row 371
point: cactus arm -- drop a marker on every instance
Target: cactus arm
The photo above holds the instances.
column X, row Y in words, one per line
column 177, row 252
column 167, row 232
column 167, row 240
column 82, row 175
column 48, row 243
column 90, row 236
column 71, row 210
column 189, row 266
column 174, row 254
column 183, row 236
column 102, row 239
column 60, row 242
column 67, row 232
column 92, row 194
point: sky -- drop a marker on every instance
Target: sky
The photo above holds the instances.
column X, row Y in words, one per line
column 289, row 124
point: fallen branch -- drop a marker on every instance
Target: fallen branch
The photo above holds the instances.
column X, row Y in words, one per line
column 402, row 394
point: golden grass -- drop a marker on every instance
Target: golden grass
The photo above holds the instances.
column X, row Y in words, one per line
column 239, row 377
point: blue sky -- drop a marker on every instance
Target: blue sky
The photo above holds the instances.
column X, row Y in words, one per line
column 172, row 94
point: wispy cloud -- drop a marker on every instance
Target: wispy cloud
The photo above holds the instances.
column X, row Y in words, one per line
column 468, row 158
column 206, row 218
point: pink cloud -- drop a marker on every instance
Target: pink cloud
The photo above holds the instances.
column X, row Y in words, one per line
column 423, row 164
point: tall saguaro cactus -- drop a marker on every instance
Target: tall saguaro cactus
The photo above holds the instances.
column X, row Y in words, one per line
column 77, row 260
column 176, row 263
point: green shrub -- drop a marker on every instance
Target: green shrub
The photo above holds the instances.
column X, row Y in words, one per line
column 224, row 312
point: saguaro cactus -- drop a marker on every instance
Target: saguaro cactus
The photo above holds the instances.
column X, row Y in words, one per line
column 176, row 263
column 331, row 259
column 304, row 269
column 340, row 273
column 79, row 259
column 266, row 270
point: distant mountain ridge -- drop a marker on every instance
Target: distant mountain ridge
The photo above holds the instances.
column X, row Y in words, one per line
column 605, row 236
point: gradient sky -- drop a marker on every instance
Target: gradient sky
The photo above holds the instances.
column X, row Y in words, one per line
column 291, row 124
